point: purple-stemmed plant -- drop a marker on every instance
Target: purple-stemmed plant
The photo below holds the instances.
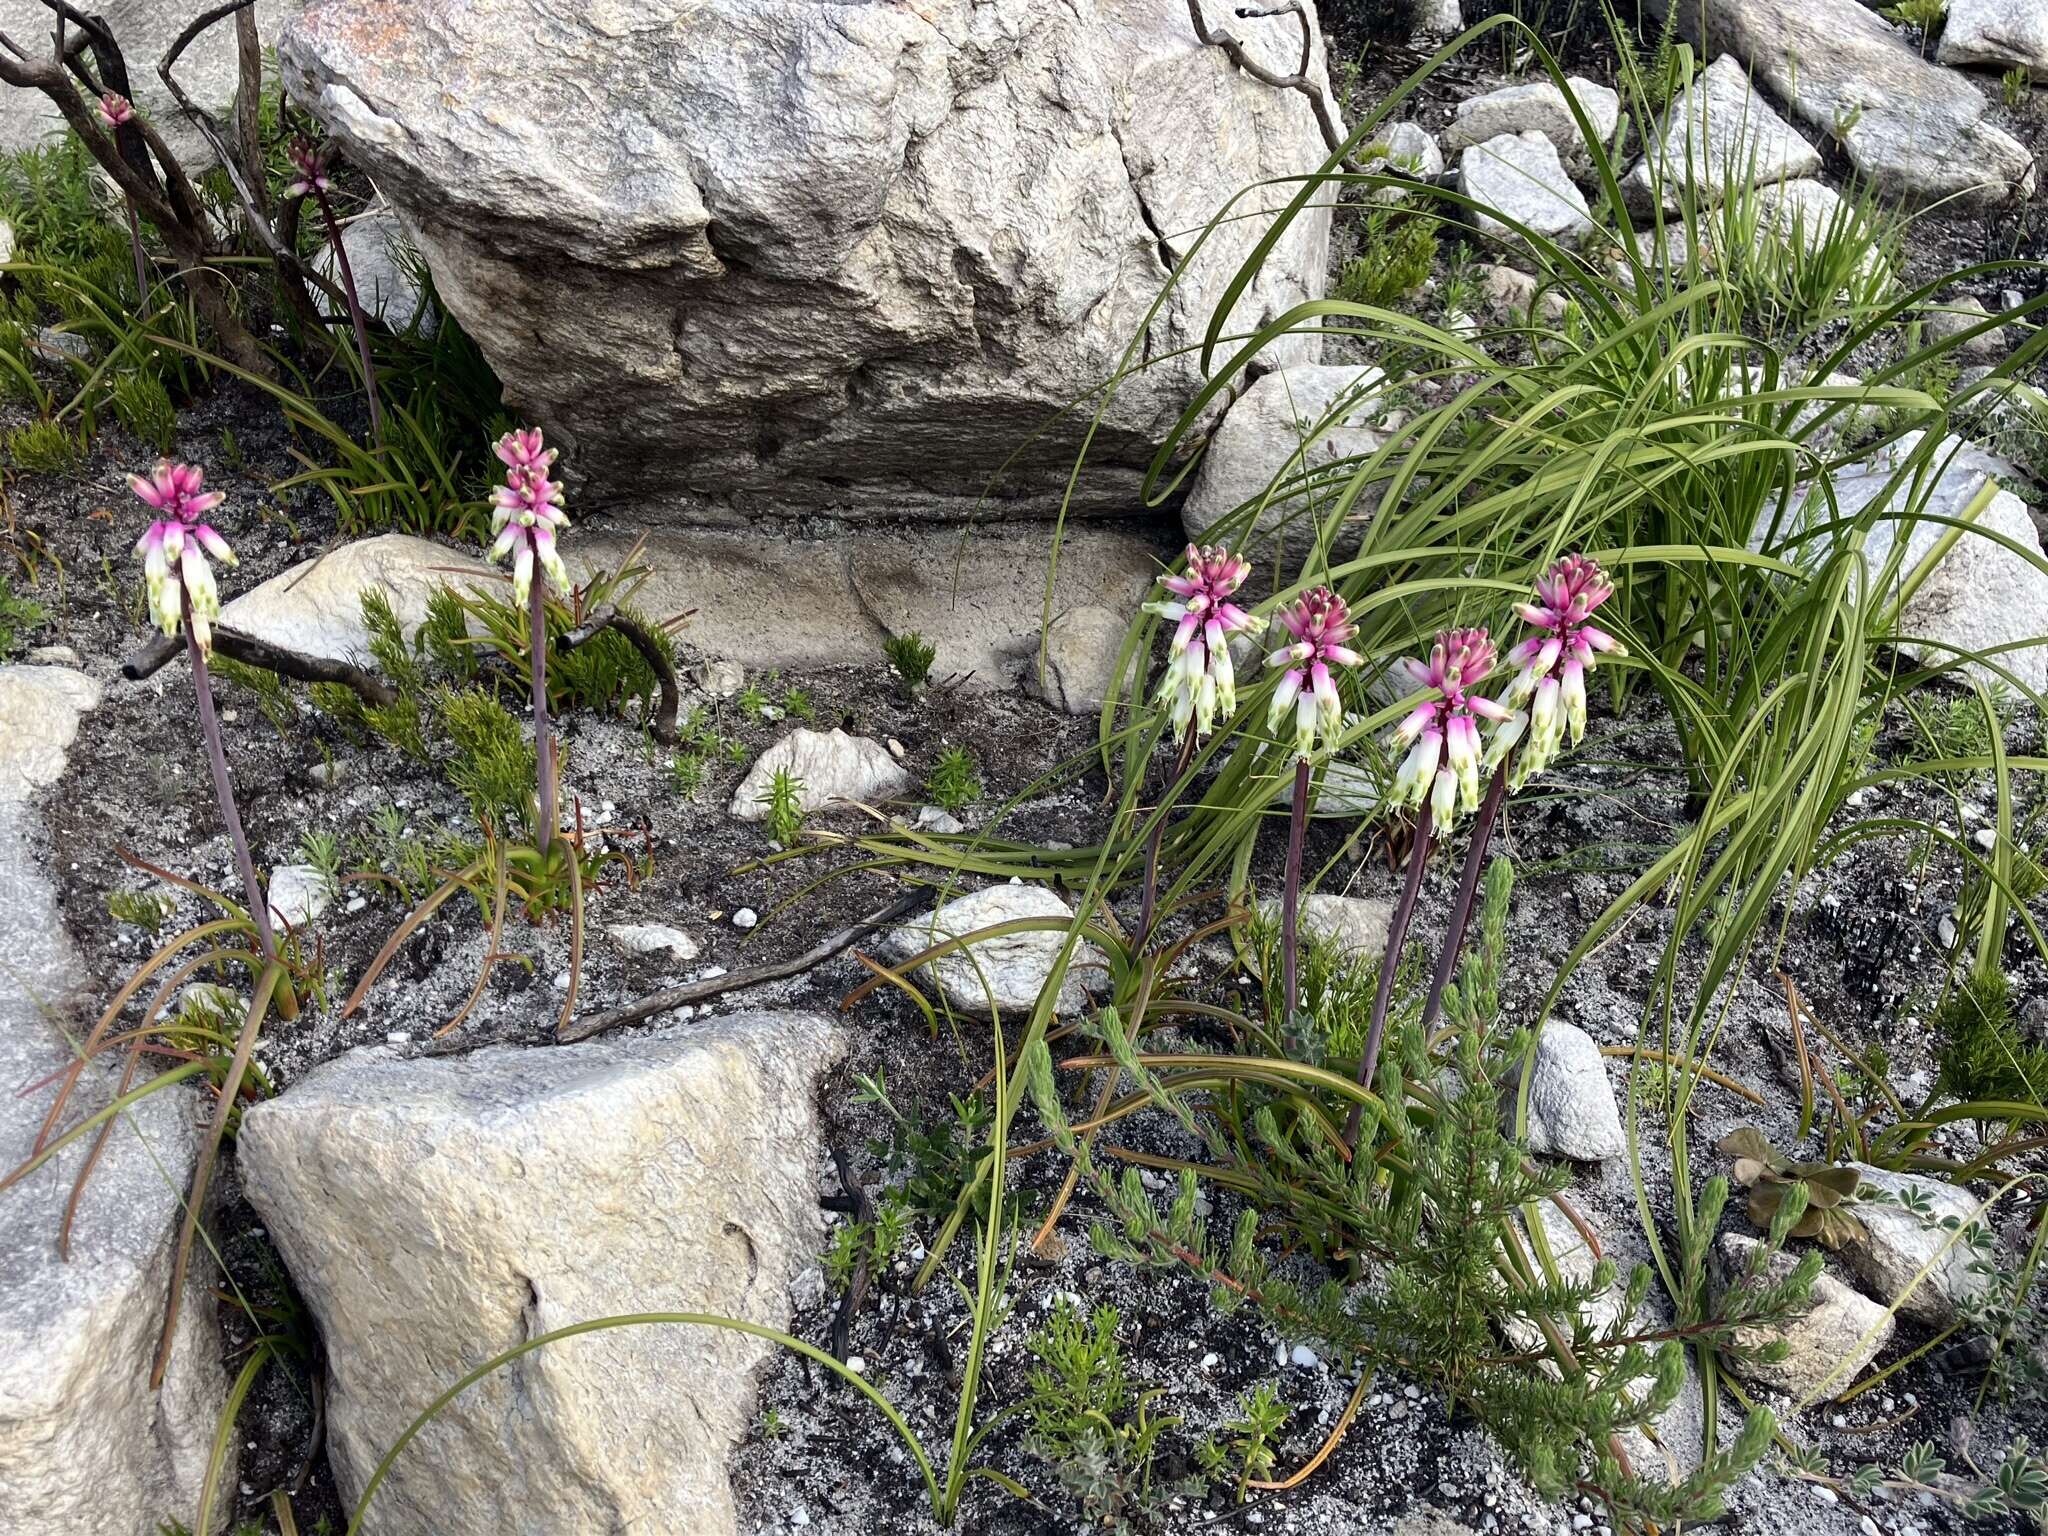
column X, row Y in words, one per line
column 528, row 515
column 117, row 110
column 182, row 596
column 1200, row 681
column 1546, row 698
column 1317, row 624
column 312, row 181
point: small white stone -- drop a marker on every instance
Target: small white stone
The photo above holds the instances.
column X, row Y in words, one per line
column 857, row 1364
column 1305, row 1357
column 561, row 981
column 398, row 1037
column 745, row 918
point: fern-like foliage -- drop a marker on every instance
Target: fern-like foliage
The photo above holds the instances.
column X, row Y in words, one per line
column 1424, row 1227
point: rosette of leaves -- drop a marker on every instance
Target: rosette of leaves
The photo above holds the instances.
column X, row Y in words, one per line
column 1768, row 1174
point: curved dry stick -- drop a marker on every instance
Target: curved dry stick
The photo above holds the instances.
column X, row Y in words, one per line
column 252, row 652
column 638, row 636
column 713, row 986
column 1223, row 38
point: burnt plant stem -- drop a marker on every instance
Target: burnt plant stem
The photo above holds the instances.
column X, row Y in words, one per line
column 355, row 311
column 223, row 791
column 135, row 248
column 543, row 741
column 1468, row 891
column 1383, row 995
column 1149, row 902
column 1290, row 904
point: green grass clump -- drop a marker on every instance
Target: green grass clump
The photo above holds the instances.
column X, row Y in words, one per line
column 784, row 798
column 955, row 781
column 45, row 447
column 20, row 617
column 910, row 658
column 1395, row 255
column 1983, row 1056
column 492, row 763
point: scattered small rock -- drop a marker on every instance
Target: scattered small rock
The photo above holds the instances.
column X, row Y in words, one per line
column 39, row 712
column 1955, row 316
column 316, row 607
column 718, row 678
column 833, row 767
column 1520, row 177
column 654, row 939
column 1355, row 926
column 1006, row 972
column 1902, row 1243
column 298, row 894
column 1839, row 1334
column 1539, row 107
column 1572, row 1111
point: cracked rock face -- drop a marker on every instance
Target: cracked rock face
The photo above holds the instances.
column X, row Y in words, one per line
column 438, row 1212
column 747, row 258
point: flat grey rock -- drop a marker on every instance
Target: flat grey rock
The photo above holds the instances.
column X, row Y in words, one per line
column 1538, row 107
column 315, row 607
column 755, row 289
column 1519, row 177
column 1998, row 34
column 654, row 939
column 1903, row 1242
column 1003, row 973
column 1915, row 130
column 1354, row 926
column 39, row 712
column 1079, row 663
column 1720, row 136
column 383, row 260
column 1270, row 439
column 435, row 1212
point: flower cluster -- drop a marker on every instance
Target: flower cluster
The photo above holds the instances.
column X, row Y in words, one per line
column 311, row 165
column 1200, row 681
column 116, row 109
column 1319, row 624
column 1442, row 733
column 529, row 513
column 1554, row 660
column 175, row 547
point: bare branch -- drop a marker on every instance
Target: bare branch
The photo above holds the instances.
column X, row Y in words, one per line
column 651, row 652
column 1221, row 37
column 252, row 652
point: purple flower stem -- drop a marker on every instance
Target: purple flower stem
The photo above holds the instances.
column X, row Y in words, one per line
column 1468, row 891
column 217, row 761
column 355, row 312
column 1150, row 900
column 543, row 740
column 1383, row 996
column 1290, row 904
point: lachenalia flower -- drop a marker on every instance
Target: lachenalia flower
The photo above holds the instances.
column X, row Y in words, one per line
column 175, row 546
column 1550, row 683
column 1442, row 733
column 1200, row 682
column 1318, row 623
column 528, row 513
column 311, row 165
column 116, row 109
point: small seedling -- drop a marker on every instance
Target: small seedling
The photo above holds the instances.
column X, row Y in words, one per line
column 2015, row 85
column 751, row 701
column 1396, row 251
column 772, row 1427
column 784, row 799
column 147, row 910
column 798, row 706
column 910, row 658
column 955, row 781
column 1770, row 1177
column 687, row 773
column 19, row 617
column 1252, row 1435
column 322, row 850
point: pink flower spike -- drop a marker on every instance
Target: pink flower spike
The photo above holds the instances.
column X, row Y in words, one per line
column 1319, row 623
column 528, row 513
column 116, row 109
column 1200, row 681
column 311, row 165
column 1553, row 662
column 174, row 549
column 1442, row 733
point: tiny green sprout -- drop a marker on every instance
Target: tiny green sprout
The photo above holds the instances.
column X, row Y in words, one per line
column 687, row 772
column 1252, row 1435
column 2015, row 85
column 910, row 658
column 955, row 780
column 19, row 618
column 772, row 1427
column 147, row 910
column 751, row 701
column 797, row 704
column 230, row 450
column 784, row 799
column 322, row 850
column 734, row 749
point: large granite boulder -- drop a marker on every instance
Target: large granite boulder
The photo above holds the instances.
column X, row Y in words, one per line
column 761, row 256
column 1720, row 136
column 1997, row 33
column 86, row 1447
column 1914, row 129
column 438, row 1212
